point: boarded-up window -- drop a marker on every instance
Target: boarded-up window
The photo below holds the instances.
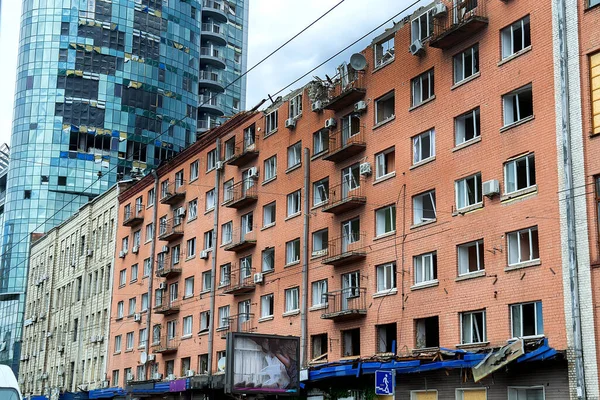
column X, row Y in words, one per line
column 424, row 395
column 471, row 394
column 595, row 80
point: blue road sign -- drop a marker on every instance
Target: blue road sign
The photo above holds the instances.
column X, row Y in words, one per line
column 385, row 383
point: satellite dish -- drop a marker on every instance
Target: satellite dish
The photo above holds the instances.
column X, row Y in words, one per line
column 221, row 364
column 358, row 62
column 143, row 357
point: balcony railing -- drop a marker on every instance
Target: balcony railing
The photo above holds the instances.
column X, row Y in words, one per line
column 346, row 142
column 241, row 239
column 215, row 9
column 208, row 27
column 165, row 345
column 167, row 307
column 171, row 229
column 241, row 323
column 206, row 124
column 212, row 53
column 165, row 267
column 245, row 152
column 239, row 281
column 346, row 303
column 346, row 196
column 347, row 90
column 242, row 194
column 461, row 21
column 345, row 249
column 133, row 217
column 173, row 193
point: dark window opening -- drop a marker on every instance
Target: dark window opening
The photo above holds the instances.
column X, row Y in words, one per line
column 27, row 194
column 351, row 342
column 62, row 181
column 319, row 346
column 386, row 338
column 427, row 332
column 136, row 151
column 45, row 179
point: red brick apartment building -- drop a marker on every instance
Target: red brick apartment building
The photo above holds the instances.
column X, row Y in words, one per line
column 421, row 195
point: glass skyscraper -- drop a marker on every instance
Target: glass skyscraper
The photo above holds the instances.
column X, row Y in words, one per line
column 106, row 88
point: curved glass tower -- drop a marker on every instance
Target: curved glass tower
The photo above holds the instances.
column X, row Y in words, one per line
column 98, row 81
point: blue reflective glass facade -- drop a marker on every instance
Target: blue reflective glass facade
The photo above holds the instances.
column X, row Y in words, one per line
column 104, row 87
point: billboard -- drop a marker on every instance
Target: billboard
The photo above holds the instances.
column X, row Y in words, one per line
column 262, row 364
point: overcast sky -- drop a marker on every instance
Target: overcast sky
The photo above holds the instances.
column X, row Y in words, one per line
column 272, row 22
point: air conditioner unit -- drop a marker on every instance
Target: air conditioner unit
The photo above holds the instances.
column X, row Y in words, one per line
column 61, row 349
column 100, row 338
column 490, row 188
column 137, row 317
column 317, row 105
column 44, row 376
column 61, row 372
column 360, row 106
column 165, row 249
column 180, row 212
column 219, row 165
column 135, row 249
column 151, row 357
column 330, row 123
column 90, row 252
column 49, row 334
column 24, row 358
column 93, row 339
column 171, row 377
column 105, row 384
column 190, row 372
column 365, row 169
column 122, row 254
column 129, row 376
column 290, row 123
column 157, row 376
column 162, row 286
column 258, row 277
column 34, row 318
column 253, row 173
column 439, row 10
column 416, row 48
column 204, row 254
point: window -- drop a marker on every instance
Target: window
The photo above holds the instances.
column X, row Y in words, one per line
column 269, row 214
column 158, row 297
column 294, row 156
column 472, row 327
column 295, row 106
column 117, row 344
column 247, row 224
column 266, row 306
column 228, row 191
column 523, row 246
column 189, row 287
column 270, row 168
column 134, row 273
column 386, row 277
column 230, row 148
column 149, row 232
column 422, row 26
column 147, row 267
column 129, row 341
column 293, row 203
column 384, row 51
column 594, row 77
column 515, row 37
column 122, row 277
column 120, row 309
column 271, row 122
column 204, row 321
column 320, row 242
column 292, row 252
column 115, row 378
column 319, row 293
column 527, row 319
column 191, row 248
column 268, row 259
column 527, row 393
column 351, row 342
column 468, row 191
column 385, row 220
column 385, row 163
column 132, row 302
column 143, row 337
column 223, row 317
column 291, row 300
column 171, row 329
column 466, row 64
column 519, row 174
column 422, row 88
column 246, row 267
column 321, row 192
column 226, row 233
column 424, row 207
column 164, row 189
column 427, row 332
column 517, row 105
column 319, row 345
column 178, row 179
column 206, row 281
column 425, row 268
column 470, row 257
column 151, row 196
column 250, row 138
column 424, row 146
column 125, row 244
column 384, row 108
column 193, row 209
column 386, row 338
column 194, row 170
column 144, row 302
column 175, row 254
column 224, row 275
column 208, row 240
column 466, row 127
column 187, row 325
column 320, row 141
column 211, row 160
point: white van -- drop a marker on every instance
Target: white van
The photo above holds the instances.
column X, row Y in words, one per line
column 9, row 388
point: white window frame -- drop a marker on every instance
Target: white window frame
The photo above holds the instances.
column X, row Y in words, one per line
column 511, row 183
column 380, row 105
column 386, row 277
column 511, row 395
column 321, row 192
column 188, row 326
column 179, row 181
column 418, row 207
column 123, row 277
column 418, row 149
column 382, row 161
column 194, row 170
column 459, row 62
column 460, row 124
column 188, row 287
column 294, row 156
column 271, row 122
column 225, row 274
column 149, row 232
column 229, row 148
column 415, row 24
column 320, row 247
column 538, row 309
column 269, row 210
column 118, row 341
column 129, row 341
column 120, row 309
column 467, row 317
column 224, row 314
column 145, row 301
column 294, row 203
column 211, row 160
column 267, row 305
column 226, row 233
column 320, row 141
column 295, row 106
column 270, row 168
column 318, row 291
column 511, row 102
column 463, row 256
column 383, row 51
column 134, row 273
column 292, row 300
column 420, row 271
column 383, row 216
column 507, row 37
column 206, row 281
column 419, row 94
column 211, row 201
column 208, row 240
column 192, row 209
column 150, row 196
column 175, row 254
column 228, row 191
column 204, row 321
column 190, row 248
column 268, row 259
column 516, row 235
column 292, row 252
column 461, row 190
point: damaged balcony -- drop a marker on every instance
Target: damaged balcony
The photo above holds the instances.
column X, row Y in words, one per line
column 240, row 281
column 345, row 304
column 345, row 197
column 240, row 323
column 133, row 218
column 164, row 266
column 346, row 249
column 173, row 194
column 167, row 307
column 244, row 152
column 171, row 229
column 347, row 90
column 346, row 142
column 242, row 239
column 165, row 345
column 461, row 21
column 241, row 194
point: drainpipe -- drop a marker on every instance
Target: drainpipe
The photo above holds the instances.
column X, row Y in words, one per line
column 151, row 277
column 304, row 306
column 111, row 276
column 570, row 198
column 213, row 267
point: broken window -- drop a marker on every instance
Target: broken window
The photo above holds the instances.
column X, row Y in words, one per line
column 351, row 342
column 468, row 191
column 321, row 191
column 527, row 319
column 466, row 127
column 319, row 345
column 385, row 163
column 425, row 268
column 386, row 277
column 517, row 105
column 473, row 327
column 136, row 151
column 519, row 173
column 466, row 63
column 384, row 51
column 424, row 207
column 422, row 88
column 424, row 146
column 523, row 246
column 386, row 338
column 320, row 141
column 515, row 37
column 470, row 257
column 427, row 332
column 384, row 108
column 271, row 122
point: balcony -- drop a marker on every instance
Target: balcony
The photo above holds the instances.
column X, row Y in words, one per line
column 241, row 323
column 345, row 143
column 212, row 56
column 244, row 153
column 345, row 197
column 173, row 194
column 346, row 249
column 133, row 218
column 164, row 266
column 210, row 80
column 347, row 90
column 165, row 345
column 461, row 22
column 214, row 33
column 345, row 304
column 167, row 307
column 209, row 102
column 207, row 124
column 171, row 229
column 241, row 240
column 241, row 194
column 241, row 281
column 215, row 10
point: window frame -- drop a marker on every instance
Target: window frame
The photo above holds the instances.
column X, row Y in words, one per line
column 194, row 170
column 292, row 248
column 418, row 89
column 479, row 251
column 470, row 315
column 296, row 150
column 535, row 387
column 463, row 185
column 417, row 142
column 324, row 243
column 460, row 396
column 382, row 161
column 538, row 310
column 265, row 254
column 419, row 211
column 511, row 29
column 460, row 125
column 295, row 107
column 532, row 251
column 271, row 122
column 511, row 102
column 295, row 300
column 323, row 298
column 432, row 255
column 270, row 167
column 272, row 207
column 320, row 188
column 271, row 303
column 385, row 286
column 294, row 203
column 460, row 58
column 211, row 160
column 383, row 102
column 529, row 160
column 187, row 326
column 392, row 220
column 428, row 14
column 321, row 141
column 382, row 48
